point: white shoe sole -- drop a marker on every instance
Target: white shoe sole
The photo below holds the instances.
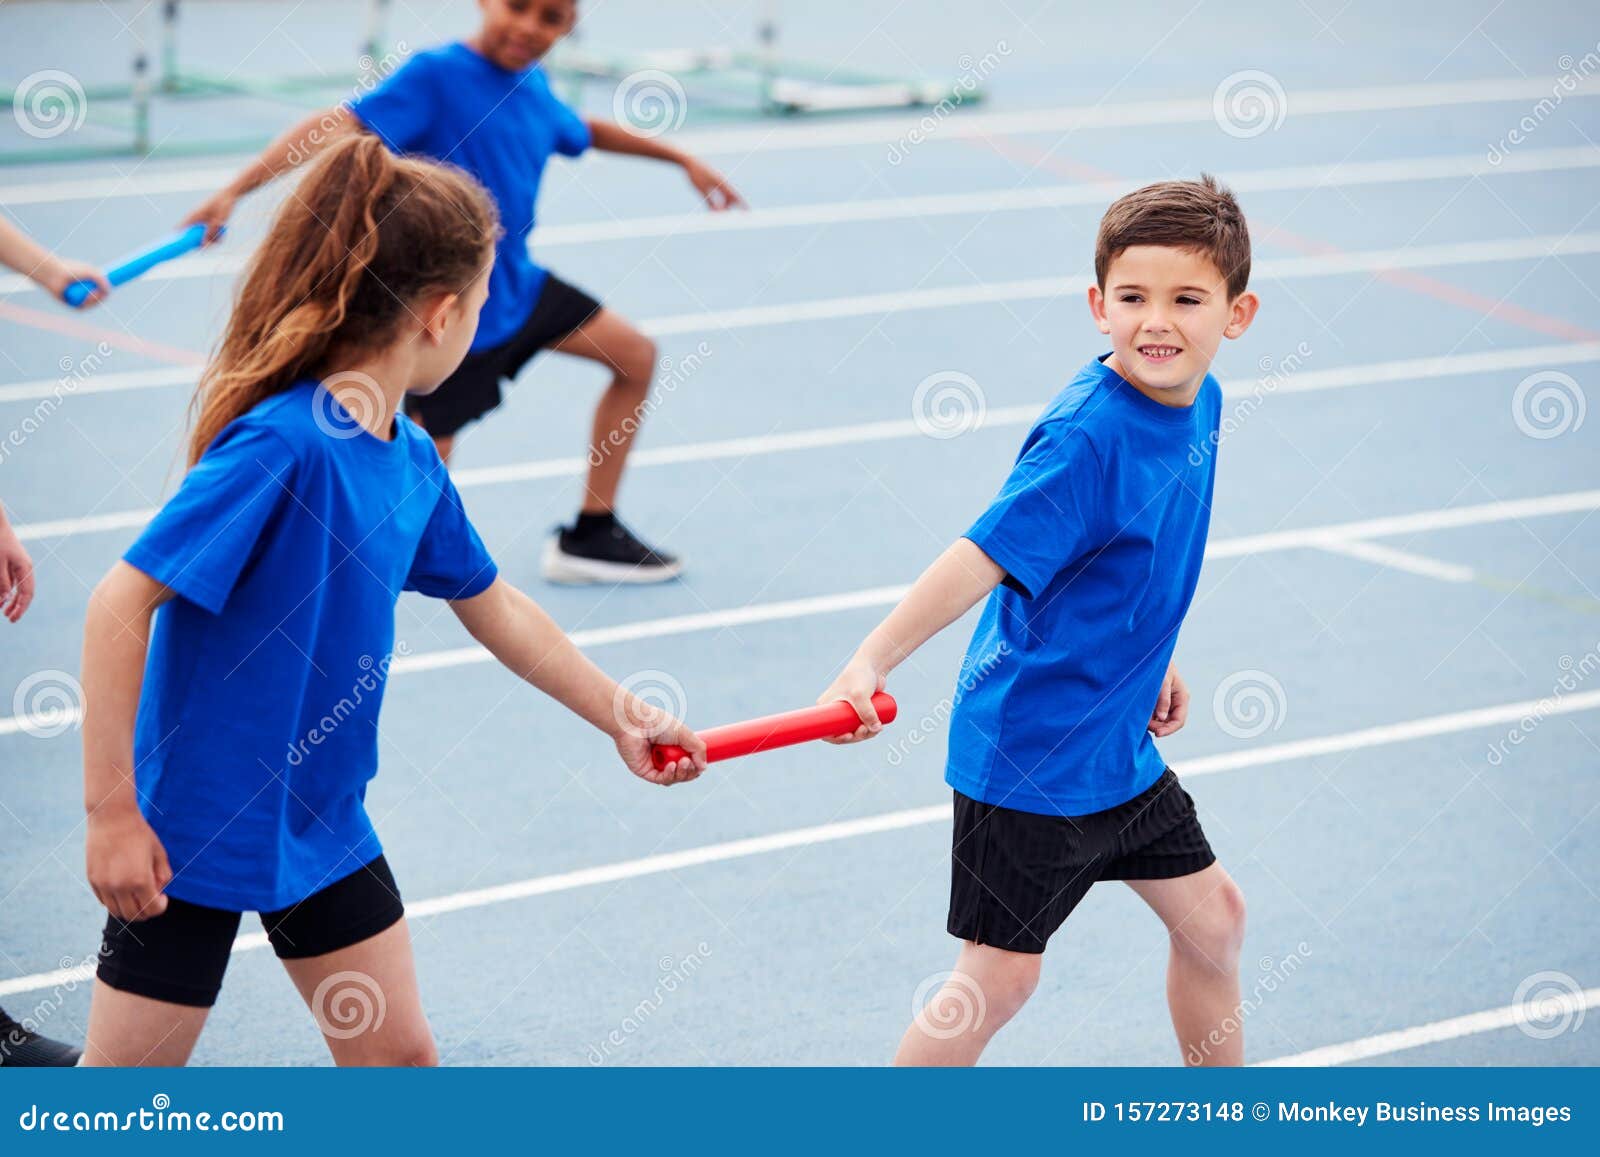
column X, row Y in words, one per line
column 569, row 570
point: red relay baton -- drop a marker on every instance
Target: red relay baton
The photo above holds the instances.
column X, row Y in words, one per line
column 735, row 739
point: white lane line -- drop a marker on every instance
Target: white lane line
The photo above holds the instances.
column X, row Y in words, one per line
column 1404, row 560
column 1353, row 173
column 892, row 129
column 1312, row 537
column 1320, row 265
column 1405, row 369
column 1447, row 518
column 1566, row 1005
column 894, row 821
column 1034, row 288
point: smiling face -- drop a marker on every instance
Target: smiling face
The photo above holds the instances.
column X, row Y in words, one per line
column 1167, row 310
column 518, row 33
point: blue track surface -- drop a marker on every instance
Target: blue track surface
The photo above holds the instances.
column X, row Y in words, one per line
column 1419, row 879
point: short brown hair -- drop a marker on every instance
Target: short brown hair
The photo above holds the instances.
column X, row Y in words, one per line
column 1200, row 216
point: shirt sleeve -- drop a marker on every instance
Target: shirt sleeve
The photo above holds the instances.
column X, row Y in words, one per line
column 572, row 132
column 201, row 541
column 401, row 109
column 1046, row 514
column 451, row 560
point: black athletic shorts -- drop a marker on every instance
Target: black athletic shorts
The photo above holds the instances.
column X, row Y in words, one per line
column 474, row 389
column 180, row 955
column 1015, row 875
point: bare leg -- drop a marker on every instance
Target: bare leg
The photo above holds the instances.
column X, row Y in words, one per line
column 365, row 1000
column 987, row 988
column 614, row 342
column 1204, row 915
column 130, row 1030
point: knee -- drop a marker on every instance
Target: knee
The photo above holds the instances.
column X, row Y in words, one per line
column 998, row 988
column 1213, row 934
column 636, row 364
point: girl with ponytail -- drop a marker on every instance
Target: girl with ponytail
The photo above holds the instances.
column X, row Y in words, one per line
column 235, row 659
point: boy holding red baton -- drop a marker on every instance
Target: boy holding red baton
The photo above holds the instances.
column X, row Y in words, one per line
column 1088, row 560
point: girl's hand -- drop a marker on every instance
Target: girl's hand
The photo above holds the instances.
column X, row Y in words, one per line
column 713, row 186
column 857, row 684
column 1172, row 708
column 213, row 213
column 127, row 865
column 645, row 726
column 54, row 277
column 16, row 574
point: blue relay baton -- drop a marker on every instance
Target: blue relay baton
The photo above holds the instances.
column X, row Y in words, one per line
column 141, row 261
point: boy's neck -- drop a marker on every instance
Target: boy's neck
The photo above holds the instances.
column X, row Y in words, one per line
column 1176, row 397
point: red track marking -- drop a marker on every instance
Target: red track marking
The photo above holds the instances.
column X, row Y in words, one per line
column 117, row 339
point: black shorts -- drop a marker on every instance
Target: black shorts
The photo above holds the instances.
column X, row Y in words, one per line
column 180, row 955
column 474, row 389
column 1015, row 875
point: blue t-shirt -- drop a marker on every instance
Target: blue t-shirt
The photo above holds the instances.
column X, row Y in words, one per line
column 287, row 547
column 1101, row 529
column 451, row 104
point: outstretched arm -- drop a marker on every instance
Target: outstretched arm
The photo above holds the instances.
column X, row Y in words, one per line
column 294, row 146
column 516, row 630
column 610, row 137
column 50, row 273
column 948, row 589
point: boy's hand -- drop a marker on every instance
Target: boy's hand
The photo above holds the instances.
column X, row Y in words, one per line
column 127, row 865
column 213, row 213
column 1172, row 708
column 16, row 574
column 59, row 273
column 647, row 726
column 713, row 186
column 857, row 684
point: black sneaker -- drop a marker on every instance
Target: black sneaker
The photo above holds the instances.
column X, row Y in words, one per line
column 20, row 1048
column 597, row 548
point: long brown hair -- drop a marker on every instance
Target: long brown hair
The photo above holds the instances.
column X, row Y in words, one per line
column 363, row 237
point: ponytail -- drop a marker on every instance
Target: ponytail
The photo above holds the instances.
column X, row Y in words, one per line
column 363, row 237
